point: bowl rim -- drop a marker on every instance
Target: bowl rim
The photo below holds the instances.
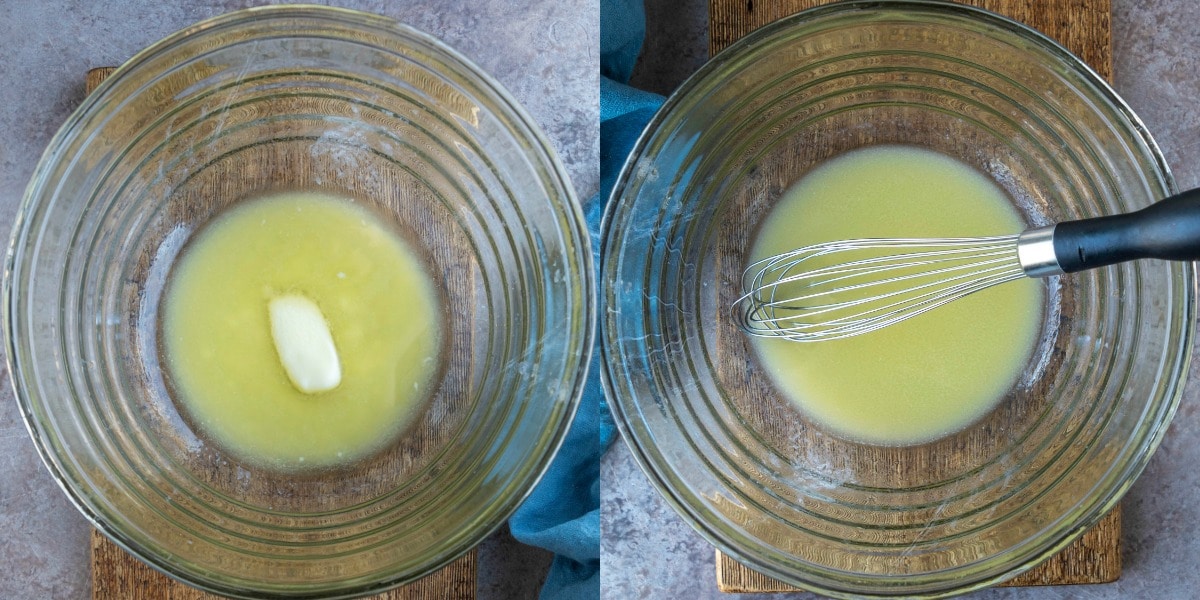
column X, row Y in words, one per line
column 572, row 224
column 640, row 449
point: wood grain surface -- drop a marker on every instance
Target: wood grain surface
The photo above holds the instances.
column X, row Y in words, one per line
column 117, row 575
column 1084, row 28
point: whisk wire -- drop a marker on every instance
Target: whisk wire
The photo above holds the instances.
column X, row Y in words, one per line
column 971, row 269
column 801, row 296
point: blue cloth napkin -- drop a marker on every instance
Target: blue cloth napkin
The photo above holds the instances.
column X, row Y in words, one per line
column 563, row 512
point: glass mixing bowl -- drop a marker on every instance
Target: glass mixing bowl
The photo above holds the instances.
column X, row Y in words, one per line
column 738, row 461
column 298, row 98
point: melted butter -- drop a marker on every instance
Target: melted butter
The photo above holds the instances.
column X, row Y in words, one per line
column 934, row 374
column 379, row 305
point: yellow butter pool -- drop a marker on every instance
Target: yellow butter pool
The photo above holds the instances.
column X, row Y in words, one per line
column 931, row 375
column 382, row 312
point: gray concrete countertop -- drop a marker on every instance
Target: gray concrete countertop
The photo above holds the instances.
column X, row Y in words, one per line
column 647, row 551
column 544, row 52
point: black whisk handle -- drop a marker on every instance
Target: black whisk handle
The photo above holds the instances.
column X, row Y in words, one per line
column 1168, row 229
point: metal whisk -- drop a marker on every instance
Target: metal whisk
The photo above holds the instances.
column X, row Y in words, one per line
column 846, row 288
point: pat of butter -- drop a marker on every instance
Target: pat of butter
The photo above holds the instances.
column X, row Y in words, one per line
column 304, row 344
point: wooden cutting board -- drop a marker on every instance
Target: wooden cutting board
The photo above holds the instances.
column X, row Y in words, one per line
column 1084, row 27
column 117, row 575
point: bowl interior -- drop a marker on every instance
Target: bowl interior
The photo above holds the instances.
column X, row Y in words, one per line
column 746, row 467
column 272, row 100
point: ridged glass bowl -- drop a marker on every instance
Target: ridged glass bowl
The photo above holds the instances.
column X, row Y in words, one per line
column 744, row 466
column 278, row 99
